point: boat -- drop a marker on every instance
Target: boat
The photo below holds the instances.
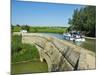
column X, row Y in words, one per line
column 74, row 36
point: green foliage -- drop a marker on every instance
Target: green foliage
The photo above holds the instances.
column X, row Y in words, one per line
column 47, row 29
column 28, row 52
column 39, row 29
column 16, row 44
column 22, row 52
column 84, row 20
column 25, row 27
column 18, row 25
column 16, row 29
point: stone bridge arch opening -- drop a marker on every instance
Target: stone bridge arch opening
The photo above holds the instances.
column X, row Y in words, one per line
column 44, row 61
column 44, row 58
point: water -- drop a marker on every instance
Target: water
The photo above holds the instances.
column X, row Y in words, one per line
column 29, row 67
column 89, row 44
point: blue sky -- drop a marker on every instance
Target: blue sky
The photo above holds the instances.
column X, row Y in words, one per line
column 41, row 14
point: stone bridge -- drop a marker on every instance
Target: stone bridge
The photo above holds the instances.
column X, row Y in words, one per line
column 59, row 54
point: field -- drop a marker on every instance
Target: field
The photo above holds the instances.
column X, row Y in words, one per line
column 24, row 56
column 42, row 29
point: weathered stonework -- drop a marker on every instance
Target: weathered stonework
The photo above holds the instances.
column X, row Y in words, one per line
column 60, row 55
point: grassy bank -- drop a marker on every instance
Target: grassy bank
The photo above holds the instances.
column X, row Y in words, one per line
column 47, row 29
column 42, row 29
column 22, row 52
column 25, row 57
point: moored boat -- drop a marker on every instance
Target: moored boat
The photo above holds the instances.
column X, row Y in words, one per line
column 74, row 36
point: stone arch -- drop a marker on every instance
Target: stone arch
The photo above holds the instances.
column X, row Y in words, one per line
column 45, row 57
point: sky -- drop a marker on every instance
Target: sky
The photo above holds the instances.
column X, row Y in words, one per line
column 41, row 14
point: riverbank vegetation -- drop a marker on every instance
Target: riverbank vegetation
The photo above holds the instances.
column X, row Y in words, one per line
column 84, row 19
column 22, row 52
column 32, row 29
column 24, row 56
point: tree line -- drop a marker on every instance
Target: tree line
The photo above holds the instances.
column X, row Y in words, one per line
column 23, row 27
column 84, row 19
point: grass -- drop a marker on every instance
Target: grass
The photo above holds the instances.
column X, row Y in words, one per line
column 16, row 44
column 22, row 52
column 25, row 52
column 90, row 44
column 42, row 29
column 47, row 29
column 28, row 52
column 17, row 29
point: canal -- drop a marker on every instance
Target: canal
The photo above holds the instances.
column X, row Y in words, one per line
column 29, row 67
column 89, row 44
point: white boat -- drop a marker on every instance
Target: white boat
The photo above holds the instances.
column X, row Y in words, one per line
column 80, row 39
column 73, row 37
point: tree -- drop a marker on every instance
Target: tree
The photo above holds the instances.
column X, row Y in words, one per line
column 25, row 27
column 18, row 25
column 84, row 19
